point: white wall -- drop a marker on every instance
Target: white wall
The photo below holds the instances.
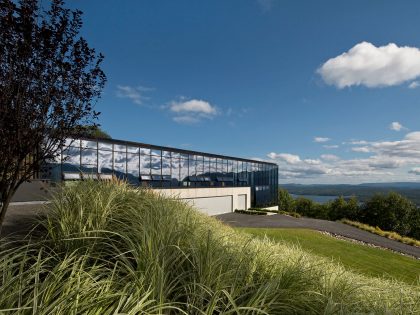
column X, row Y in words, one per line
column 215, row 200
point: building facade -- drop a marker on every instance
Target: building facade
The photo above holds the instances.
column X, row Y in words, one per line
column 182, row 172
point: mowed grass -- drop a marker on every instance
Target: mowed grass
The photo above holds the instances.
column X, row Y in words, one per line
column 360, row 258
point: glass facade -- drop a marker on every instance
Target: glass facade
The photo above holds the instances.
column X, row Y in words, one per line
column 162, row 167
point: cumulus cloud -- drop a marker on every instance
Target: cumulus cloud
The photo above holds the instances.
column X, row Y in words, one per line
column 414, row 85
column 192, row 111
column 415, row 171
column 396, row 126
column 371, row 66
column 321, row 139
column 388, row 160
column 286, row 157
column 329, row 157
column 134, row 93
column 361, row 149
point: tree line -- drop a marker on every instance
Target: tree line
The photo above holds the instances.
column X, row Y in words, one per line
column 391, row 211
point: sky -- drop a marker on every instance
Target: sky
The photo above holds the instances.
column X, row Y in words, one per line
column 329, row 90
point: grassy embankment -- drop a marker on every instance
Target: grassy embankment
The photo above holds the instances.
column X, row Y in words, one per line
column 360, row 258
column 107, row 248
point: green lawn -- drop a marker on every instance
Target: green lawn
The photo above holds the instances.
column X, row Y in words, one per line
column 363, row 259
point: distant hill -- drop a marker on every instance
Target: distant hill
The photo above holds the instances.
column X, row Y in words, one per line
column 363, row 191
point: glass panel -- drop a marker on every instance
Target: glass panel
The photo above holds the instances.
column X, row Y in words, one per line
column 144, row 151
column 166, row 164
column 133, row 168
column 199, row 167
column 89, row 144
column 156, row 152
column 105, row 146
column 105, row 162
column 71, row 159
column 72, row 142
column 145, row 164
column 120, row 164
column 176, row 155
column 184, row 169
column 133, row 149
column 175, row 171
column 155, row 164
column 120, row 148
column 89, row 157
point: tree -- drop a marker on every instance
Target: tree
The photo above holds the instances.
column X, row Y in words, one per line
column 391, row 212
column 340, row 208
column 49, row 80
column 286, row 201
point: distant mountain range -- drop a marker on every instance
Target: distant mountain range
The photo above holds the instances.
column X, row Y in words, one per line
column 363, row 191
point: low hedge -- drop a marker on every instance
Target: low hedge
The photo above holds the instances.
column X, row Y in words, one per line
column 376, row 230
column 251, row 211
column 292, row 214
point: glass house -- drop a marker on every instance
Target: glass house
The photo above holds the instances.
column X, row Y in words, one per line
column 163, row 167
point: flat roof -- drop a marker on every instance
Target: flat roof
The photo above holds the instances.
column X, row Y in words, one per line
column 158, row 147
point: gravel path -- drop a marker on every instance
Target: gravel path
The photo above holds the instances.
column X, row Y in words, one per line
column 283, row 221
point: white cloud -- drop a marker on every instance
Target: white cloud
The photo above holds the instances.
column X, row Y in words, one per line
column 286, row 157
column 192, row 111
column 193, row 106
column 330, row 146
column 371, row 66
column 396, row 126
column 329, row 157
column 389, row 161
column 415, row 171
column 361, row 149
column 321, row 139
column 135, row 94
column 414, row 84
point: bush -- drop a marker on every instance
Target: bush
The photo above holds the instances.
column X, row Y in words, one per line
column 292, row 214
column 252, row 212
column 387, row 234
column 391, row 212
column 111, row 249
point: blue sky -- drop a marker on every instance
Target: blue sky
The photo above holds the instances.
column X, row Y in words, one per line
column 327, row 89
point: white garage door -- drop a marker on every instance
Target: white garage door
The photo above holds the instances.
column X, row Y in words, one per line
column 242, row 202
column 213, row 205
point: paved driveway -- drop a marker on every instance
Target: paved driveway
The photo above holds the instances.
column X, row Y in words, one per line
column 283, row 221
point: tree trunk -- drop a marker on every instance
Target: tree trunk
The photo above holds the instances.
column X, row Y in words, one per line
column 4, row 205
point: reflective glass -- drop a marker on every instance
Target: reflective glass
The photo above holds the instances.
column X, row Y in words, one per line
column 132, row 149
column 144, row 151
column 89, row 157
column 105, row 146
column 71, row 159
column 184, row 169
column 120, row 164
column 72, row 142
column 120, row 148
column 155, row 164
column 166, row 164
column 156, row 152
column 89, row 144
column 145, row 164
column 105, row 161
column 132, row 167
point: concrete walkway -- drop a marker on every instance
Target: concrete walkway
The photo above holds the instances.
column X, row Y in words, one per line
column 283, row 221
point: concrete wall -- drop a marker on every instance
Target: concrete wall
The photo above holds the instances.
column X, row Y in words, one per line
column 213, row 201
column 35, row 190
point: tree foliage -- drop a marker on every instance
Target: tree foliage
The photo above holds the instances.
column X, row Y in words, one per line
column 49, row 80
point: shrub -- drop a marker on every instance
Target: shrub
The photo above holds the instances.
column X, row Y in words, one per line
column 252, row 212
column 387, row 234
column 111, row 249
column 292, row 214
